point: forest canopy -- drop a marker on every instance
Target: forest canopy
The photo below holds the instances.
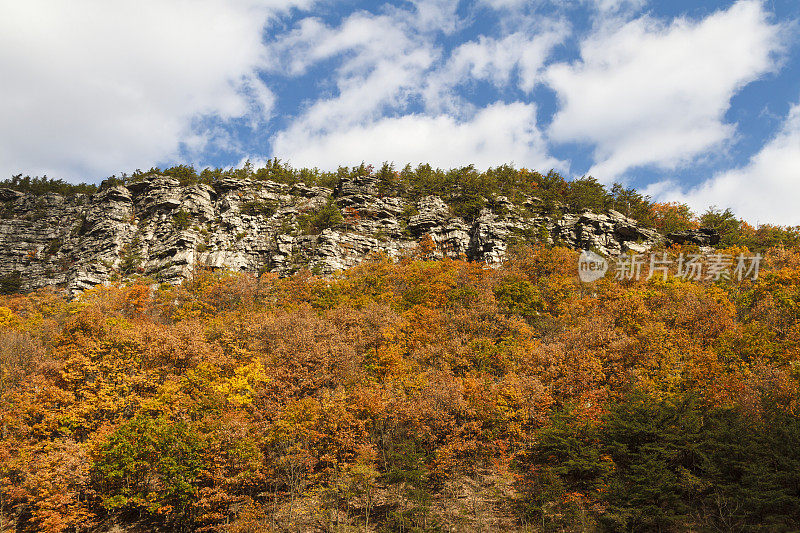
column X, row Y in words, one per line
column 406, row 396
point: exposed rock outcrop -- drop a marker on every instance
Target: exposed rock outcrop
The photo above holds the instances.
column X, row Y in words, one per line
column 700, row 237
column 158, row 228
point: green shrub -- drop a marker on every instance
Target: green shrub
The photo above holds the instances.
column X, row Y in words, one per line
column 326, row 217
column 130, row 257
column 10, row 283
column 181, row 220
column 148, row 465
column 264, row 208
column 43, row 185
column 53, row 247
column 520, row 298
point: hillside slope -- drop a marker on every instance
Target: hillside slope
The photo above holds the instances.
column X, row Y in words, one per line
column 406, row 396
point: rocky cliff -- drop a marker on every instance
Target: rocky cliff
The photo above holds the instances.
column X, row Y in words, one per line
column 158, row 228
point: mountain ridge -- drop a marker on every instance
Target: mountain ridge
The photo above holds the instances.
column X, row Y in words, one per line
column 157, row 226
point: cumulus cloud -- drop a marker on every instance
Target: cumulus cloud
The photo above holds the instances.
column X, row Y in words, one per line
column 615, row 6
column 764, row 190
column 382, row 59
column 390, row 62
column 505, row 4
column 601, row 6
column 436, row 15
column 497, row 134
column 514, row 59
column 649, row 93
column 93, row 87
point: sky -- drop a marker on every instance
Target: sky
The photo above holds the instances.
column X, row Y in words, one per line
column 696, row 101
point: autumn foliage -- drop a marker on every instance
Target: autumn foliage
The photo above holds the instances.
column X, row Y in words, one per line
column 406, row 396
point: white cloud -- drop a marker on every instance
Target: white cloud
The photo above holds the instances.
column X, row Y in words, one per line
column 365, row 36
column 613, row 6
column 93, row 87
column 497, row 61
column 382, row 59
column 603, row 6
column 506, row 4
column 765, row 190
column 436, row 15
column 497, row 134
column 646, row 93
column 389, row 63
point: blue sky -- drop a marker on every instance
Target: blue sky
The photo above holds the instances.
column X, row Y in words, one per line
column 693, row 101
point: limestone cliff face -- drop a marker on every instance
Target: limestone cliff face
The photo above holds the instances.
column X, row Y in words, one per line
column 158, row 228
